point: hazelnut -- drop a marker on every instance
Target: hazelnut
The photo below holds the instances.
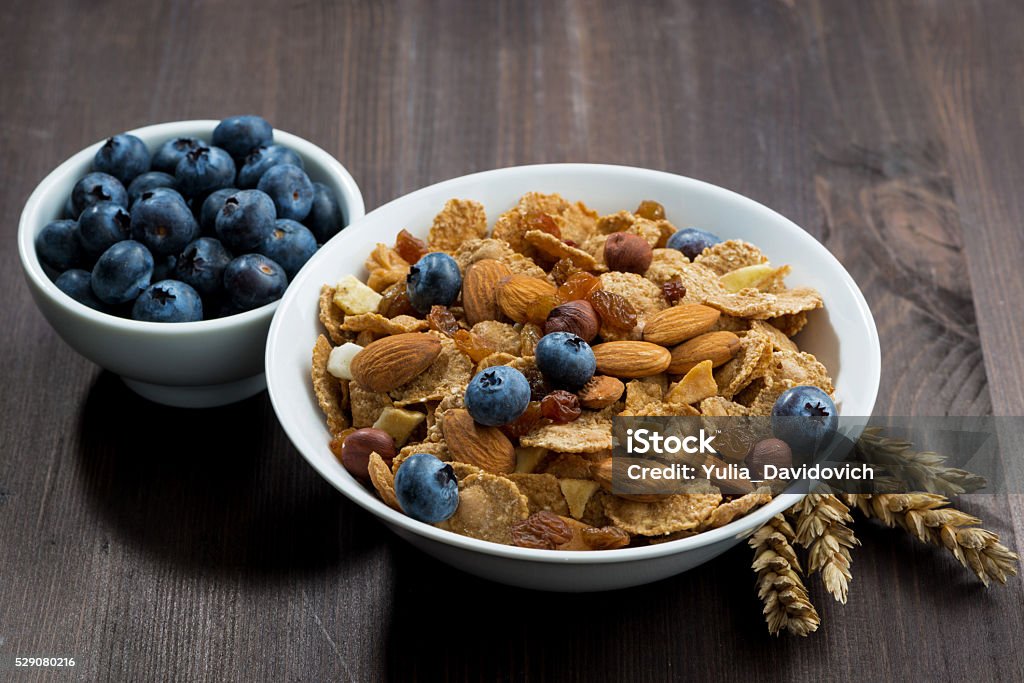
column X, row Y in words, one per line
column 628, row 253
column 357, row 446
column 577, row 317
column 768, row 452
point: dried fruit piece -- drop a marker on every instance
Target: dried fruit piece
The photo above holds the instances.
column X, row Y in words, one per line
column 560, row 406
column 615, row 312
column 537, row 220
column 577, row 493
column 578, row 286
column 528, row 338
column 563, row 269
column 576, row 317
column 473, row 345
column 748, row 276
column 538, row 310
column 605, row 538
column 395, row 302
column 410, row 248
column 673, row 290
column 524, row 423
column 543, row 530
column 651, row 210
column 441, row 320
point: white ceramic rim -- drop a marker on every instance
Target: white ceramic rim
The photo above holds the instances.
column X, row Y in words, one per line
column 737, row 529
column 353, row 204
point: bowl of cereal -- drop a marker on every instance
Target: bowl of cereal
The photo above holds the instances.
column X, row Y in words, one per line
column 473, row 342
column 127, row 254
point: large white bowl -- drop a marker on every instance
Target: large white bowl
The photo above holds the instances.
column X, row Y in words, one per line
column 843, row 337
column 196, row 365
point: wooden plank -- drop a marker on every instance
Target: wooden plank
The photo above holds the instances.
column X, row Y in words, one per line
column 154, row 543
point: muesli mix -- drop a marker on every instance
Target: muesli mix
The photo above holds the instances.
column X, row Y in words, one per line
column 472, row 379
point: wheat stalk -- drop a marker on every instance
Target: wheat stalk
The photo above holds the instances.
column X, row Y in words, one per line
column 821, row 528
column 918, row 470
column 930, row 518
column 779, row 586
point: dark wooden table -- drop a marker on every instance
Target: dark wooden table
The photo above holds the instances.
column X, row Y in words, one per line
column 152, row 543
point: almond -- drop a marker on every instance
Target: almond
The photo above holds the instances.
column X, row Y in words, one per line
column 631, row 358
column 480, row 290
column 486, row 447
column 600, row 392
column 517, row 291
column 717, row 347
column 390, row 362
column 679, row 323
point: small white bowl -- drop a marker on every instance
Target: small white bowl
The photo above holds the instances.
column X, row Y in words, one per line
column 194, row 365
column 843, row 336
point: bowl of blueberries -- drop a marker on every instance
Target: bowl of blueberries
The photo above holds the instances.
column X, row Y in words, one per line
column 160, row 254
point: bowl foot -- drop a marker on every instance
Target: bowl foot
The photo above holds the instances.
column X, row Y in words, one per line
column 199, row 397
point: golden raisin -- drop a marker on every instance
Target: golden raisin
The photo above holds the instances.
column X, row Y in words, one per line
column 473, row 345
column 651, row 210
column 615, row 311
column 605, row 538
column 396, row 302
column 537, row 220
column 442, row 320
column 578, row 286
column 538, row 310
column 524, row 423
column 673, row 290
column 560, row 406
column 563, row 270
column 529, row 337
column 410, row 248
column 544, row 530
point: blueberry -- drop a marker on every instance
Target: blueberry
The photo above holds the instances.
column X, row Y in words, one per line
column 211, row 206
column 168, row 301
column 435, row 280
column 241, row 134
column 97, row 187
column 497, row 396
column 163, row 268
column 103, row 225
column 805, row 418
column 163, row 222
column 149, row 181
column 262, row 158
column 565, row 360
column 203, row 170
column 245, row 220
column 692, row 241
column 171, row 152
column 253, row 280
column 290, row 243
column 76, row 284
column 122, row 156
column 122, row 272
column 59, row 245
column 69, row 209
column 427, row 488
column 326, row 218
column 201, row 265
column 290, row 188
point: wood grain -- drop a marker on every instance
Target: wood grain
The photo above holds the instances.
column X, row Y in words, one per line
column 155, row 544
